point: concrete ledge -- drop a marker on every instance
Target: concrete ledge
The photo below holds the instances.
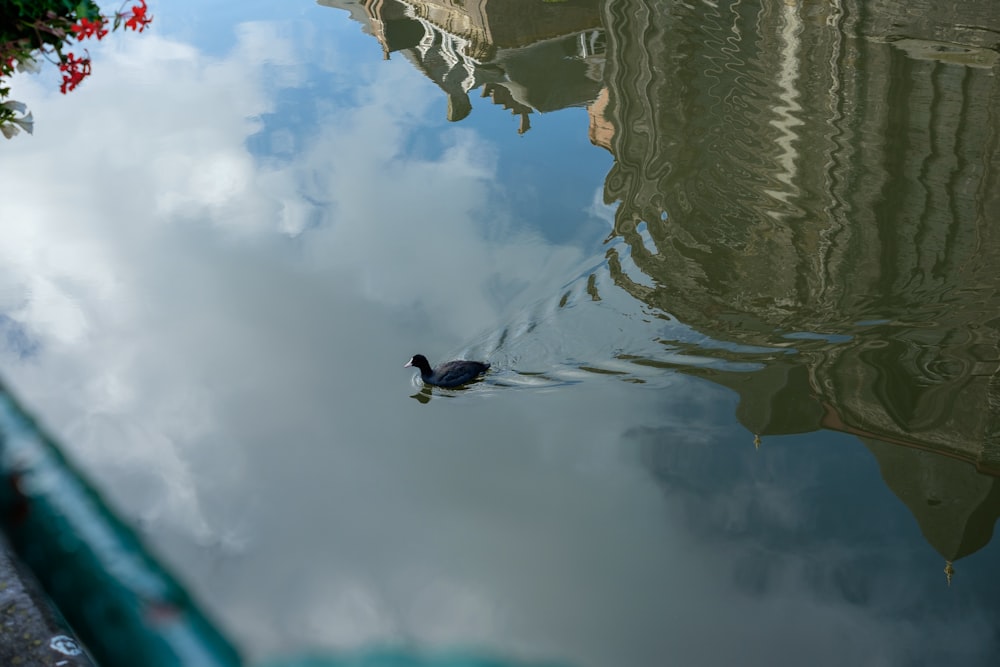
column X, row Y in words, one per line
column 32, row 633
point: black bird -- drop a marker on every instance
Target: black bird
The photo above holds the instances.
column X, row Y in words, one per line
column 448, row 374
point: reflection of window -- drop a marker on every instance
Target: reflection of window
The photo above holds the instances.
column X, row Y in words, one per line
column 592, row 43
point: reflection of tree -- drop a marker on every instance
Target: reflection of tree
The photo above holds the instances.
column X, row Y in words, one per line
column 770, row 186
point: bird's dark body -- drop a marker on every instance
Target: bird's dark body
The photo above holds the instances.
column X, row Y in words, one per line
column 450, row 373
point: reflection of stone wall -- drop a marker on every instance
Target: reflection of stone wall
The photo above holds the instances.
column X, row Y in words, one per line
column 762, row 154
column 749, row 162
column 715, row 152
column 796, row 172
column 960, row 31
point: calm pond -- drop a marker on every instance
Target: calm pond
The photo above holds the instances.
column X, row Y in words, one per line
column 734, row 264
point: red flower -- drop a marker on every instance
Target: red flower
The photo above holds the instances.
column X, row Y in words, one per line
column 74, row 71
column 87, row 28
column 138, row 21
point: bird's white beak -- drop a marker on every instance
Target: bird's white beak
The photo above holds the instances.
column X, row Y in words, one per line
column 408, row 363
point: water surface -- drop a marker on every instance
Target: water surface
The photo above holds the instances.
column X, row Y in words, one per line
column 734, row 266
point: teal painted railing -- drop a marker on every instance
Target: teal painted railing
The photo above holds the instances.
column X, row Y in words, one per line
column 125, row 607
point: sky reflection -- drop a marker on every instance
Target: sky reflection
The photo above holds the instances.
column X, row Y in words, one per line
column 215, row 263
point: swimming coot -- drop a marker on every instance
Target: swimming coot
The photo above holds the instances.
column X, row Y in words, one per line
column 448, row 374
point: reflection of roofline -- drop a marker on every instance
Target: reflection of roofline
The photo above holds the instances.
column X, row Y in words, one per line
column 510, row 72
column 478, row 18
column 831, row 420
column 806, row 409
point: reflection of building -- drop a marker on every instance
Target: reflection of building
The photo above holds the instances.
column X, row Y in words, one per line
column 526, row 55
column 789, row 197
column 777, row 202
column 955, row 507
column 774, row 193
column 954, row 496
